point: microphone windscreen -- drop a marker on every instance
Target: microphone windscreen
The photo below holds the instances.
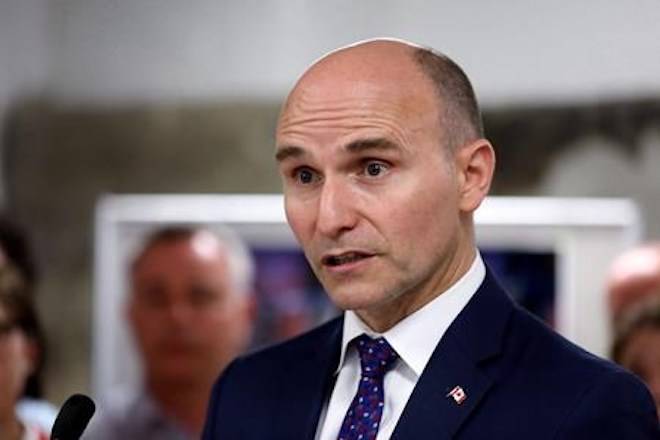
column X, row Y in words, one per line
column 73, row 418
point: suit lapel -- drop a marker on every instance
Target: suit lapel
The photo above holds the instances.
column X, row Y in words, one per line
column 310, row 379
column 459, row 360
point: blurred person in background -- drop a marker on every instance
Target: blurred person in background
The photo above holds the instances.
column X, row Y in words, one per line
column 634, row 276
column 16, row 252
column 637, row 344
column 634, row 297
column 19, row 354
column 191, row 310
column 16, row 249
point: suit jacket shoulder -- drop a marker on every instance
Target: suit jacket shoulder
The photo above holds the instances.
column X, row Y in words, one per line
column 589, row 397
column 259, row 395
column 522, row 380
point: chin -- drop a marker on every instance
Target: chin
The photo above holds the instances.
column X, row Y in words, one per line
column 353, row 299
column 178, row 377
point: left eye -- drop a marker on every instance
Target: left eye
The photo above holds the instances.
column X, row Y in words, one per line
column 374, row 169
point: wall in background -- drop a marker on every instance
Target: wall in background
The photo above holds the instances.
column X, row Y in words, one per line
column 515, row 52
column 24, row 58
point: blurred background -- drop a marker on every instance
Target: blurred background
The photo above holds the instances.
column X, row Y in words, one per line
column 164, row 96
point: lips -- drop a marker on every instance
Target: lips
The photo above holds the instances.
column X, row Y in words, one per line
column 340, row 259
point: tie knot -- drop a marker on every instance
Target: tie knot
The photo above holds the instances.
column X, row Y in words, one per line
column 376, row 355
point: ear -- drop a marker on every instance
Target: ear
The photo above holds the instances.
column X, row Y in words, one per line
column 475, row 165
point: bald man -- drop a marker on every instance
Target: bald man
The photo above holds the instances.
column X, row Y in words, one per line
column 634, row 277
column 634, row 294
column 381, row 151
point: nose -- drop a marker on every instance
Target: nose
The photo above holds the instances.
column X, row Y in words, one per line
column 337, row 210
column 179, row 314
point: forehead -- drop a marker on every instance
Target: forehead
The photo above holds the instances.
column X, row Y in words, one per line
column 195, row 251
column 354, row 92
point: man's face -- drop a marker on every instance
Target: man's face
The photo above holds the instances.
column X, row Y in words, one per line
column 369, row 191
column 187, row 321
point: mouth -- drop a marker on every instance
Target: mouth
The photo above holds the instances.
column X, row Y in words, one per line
column 344, row 258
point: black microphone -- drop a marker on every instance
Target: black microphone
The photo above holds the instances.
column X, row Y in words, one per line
column 73, row 418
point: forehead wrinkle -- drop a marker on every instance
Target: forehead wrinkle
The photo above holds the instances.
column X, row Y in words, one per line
column 357, row 136
column 358, row 99
column 349, row 118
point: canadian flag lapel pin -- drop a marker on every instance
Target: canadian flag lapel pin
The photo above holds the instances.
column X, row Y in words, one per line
column 458, row 394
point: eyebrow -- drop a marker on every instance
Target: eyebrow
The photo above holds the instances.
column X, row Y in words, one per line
column 371, row 144
column 288, row 152
column 358, row 146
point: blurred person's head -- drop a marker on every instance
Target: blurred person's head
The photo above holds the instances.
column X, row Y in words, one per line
column 15, row 249
column 637, row 344
column 16, row 252
column 190, row 305
column 19, row 349
column 634, row 276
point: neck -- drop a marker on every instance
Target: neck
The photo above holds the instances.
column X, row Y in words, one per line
column 186, row 403
column 385, row 317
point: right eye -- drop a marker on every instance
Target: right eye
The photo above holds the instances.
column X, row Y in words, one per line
column 304, row 175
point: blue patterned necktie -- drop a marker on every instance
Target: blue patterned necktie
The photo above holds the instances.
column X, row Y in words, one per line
column 363, row 416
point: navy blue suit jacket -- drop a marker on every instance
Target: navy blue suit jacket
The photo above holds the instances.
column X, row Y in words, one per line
column 522, row 381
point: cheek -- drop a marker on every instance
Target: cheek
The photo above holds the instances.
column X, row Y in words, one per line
column 16, row 366
column 149, row 333
column 300, row 217
column 222, row 322
column 223, row 338
column 423, row 224
column 428, row 207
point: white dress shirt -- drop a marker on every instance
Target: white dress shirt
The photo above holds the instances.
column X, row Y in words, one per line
column 414, row 339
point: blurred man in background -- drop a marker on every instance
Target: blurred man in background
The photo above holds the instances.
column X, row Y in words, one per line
column 634, row 277
column 191, row 312
column 637, row 345
column 634, row 296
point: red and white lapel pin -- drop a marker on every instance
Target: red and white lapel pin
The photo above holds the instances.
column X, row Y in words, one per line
column 458, row 394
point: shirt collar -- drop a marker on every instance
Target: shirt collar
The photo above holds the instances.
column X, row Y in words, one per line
column 416, row 336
